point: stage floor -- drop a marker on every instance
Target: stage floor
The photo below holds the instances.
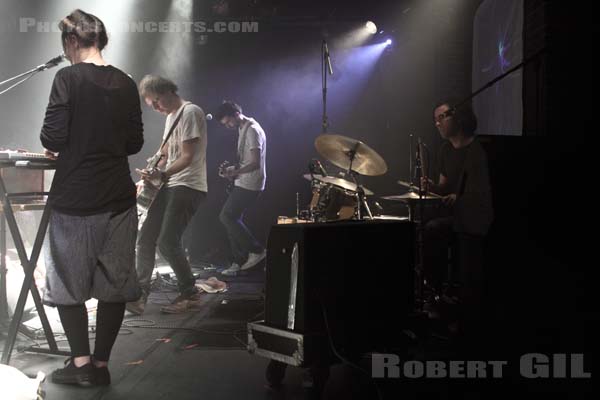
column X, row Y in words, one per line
column 202, row 355
column 197, row 355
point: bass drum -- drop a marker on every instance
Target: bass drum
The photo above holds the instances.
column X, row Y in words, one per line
column 331, row 203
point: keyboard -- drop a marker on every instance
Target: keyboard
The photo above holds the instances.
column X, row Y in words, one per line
column 22, row 156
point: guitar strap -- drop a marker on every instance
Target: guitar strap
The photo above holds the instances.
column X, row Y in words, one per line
column 173, row 126
column 242, row 141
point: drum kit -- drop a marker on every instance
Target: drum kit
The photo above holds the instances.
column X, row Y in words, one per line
column 338, row 199
column 335, row 198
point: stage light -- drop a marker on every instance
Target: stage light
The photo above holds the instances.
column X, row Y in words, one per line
column 371, row 27
column 167, row 55
column 388, row 42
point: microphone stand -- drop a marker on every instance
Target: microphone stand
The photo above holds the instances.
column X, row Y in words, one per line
column 27, row 75
column 325, row 69
column 420, row 273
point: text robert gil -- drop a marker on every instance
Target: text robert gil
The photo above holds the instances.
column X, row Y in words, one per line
column 531, row 365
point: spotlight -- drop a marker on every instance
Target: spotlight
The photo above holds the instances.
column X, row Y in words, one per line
column 371, row 27
column 388, row 42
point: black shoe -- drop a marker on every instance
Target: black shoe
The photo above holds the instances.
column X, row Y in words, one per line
column 83, row 376
column 102, row 376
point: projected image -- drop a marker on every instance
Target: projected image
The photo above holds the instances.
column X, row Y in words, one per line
column 497, row 47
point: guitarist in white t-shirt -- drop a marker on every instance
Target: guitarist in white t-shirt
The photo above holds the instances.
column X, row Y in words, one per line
column 182, row 171
column 249, row 176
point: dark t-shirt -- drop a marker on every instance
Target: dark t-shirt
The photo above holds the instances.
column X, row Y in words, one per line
column 94, row 121
column 466, row 170
column 452, row 162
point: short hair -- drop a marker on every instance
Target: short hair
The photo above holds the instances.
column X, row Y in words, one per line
column 86, row 28
column 227, row 109
column 463, row 114
column 154, row 84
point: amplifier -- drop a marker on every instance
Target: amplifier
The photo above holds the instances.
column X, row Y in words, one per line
column 353, row 280
column 21, row 180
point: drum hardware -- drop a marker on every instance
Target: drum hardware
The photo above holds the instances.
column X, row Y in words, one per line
column 337, row 198
column 341, row 183
column 331, row 202
column 356, row 158
column 334, row 199
column 417, row 196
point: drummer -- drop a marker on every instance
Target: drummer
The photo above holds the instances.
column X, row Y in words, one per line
column 464, row 183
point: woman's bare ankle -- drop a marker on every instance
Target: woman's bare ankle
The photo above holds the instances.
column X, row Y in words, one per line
column 99, row 364
column 81, row 361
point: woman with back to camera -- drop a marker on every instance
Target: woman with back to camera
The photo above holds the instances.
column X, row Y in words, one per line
column 92, row 124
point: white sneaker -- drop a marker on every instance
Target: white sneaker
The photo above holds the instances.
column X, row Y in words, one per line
column 231, row 271
column 253, row 259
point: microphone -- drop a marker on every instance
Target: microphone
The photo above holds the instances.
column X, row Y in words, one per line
column 321, row 169
column 326, row 49
column 52, row 63
column 209, row 117
column 316, row 168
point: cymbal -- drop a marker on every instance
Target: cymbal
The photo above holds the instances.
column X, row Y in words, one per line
column 344, row 184
column 412, row 196
column 338, row 150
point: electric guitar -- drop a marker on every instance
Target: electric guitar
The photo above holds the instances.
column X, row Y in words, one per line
column 225, row 165
column 147, row 190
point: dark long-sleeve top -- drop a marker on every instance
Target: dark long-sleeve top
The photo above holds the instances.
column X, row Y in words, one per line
column 94, row 122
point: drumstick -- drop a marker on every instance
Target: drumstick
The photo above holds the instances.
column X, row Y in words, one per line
column 416, row 189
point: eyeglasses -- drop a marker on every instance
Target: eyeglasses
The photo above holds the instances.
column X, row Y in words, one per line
column 444, row 115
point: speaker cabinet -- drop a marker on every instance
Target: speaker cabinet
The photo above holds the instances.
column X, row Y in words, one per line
column 351, row 280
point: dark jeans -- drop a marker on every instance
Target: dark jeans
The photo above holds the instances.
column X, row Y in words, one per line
column 437, row 237
column 471, row 276
column 241, row 240
column 167, row 219
column 467, row 263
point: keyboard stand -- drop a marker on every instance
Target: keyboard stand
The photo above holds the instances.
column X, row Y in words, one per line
column 28, row 263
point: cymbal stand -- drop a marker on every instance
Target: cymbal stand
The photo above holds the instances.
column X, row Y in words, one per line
column 360, row 192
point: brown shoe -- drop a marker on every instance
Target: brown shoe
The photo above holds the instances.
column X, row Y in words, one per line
column 136, row 307
column 182, row 304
